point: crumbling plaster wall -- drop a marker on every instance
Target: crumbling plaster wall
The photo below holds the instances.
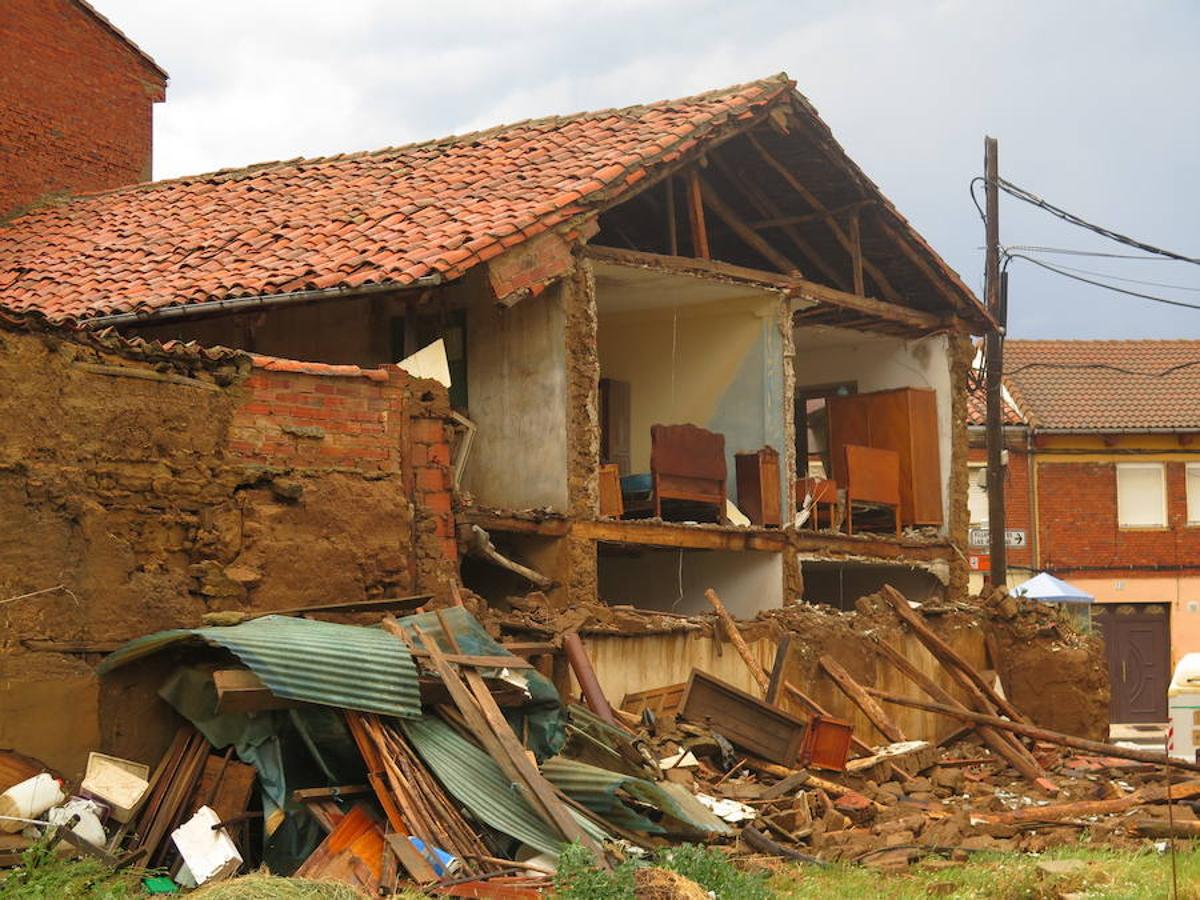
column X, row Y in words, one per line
column 136, row 485
column 517, row 384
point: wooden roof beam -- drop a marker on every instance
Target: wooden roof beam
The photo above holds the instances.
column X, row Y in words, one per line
column 767, row 207
column 885, row 286
column 739, row 227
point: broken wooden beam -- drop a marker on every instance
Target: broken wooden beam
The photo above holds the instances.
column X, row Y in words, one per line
column 739, row 642
column 860, row 698
column 1039, row 734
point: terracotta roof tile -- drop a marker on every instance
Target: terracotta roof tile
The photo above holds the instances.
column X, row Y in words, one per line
column 1106, row 385
column 388, row 217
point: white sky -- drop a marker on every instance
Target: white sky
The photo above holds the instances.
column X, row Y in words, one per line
column 1093, row 103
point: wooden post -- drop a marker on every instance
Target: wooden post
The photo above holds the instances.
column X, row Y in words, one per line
column 994, row 354
column 856, row 256
column 775, row 683
column 672, row 231
column 696, row 215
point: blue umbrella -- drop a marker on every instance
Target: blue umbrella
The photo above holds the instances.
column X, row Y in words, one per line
column 1045, row 586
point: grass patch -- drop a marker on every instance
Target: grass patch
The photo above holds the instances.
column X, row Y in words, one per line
column 1108, row 875
column 579, row 879
column 44, row 875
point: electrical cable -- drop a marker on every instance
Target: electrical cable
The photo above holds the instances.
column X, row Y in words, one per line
column 1034, row 200
column 1175, row 287
column 1101, row 284
column 1171, row 370
column 1097, row 253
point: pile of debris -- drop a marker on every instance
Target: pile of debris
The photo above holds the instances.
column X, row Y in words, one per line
column 424, row 751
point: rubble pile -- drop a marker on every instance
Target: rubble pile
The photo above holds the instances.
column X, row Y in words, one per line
column 423, row 751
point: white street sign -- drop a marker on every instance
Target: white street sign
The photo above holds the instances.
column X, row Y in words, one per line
column 981, row 537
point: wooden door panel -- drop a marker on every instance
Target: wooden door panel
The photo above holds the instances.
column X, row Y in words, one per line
column 1137, row 640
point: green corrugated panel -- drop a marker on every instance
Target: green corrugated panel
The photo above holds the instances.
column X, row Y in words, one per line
column 597, row 789
column 476, row 781
column 344, row 666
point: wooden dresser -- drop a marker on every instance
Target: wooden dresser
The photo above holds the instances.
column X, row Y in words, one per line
column 904, row 420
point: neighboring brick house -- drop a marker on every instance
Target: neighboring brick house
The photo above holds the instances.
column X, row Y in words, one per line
column 1103, row 476
column 76, row 101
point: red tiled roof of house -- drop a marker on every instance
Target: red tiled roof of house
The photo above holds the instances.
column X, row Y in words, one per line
column 1106, row 385
column 977, row 410
column 390, row 217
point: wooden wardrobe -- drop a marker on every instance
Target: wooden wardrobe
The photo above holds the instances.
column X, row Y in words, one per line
column 904, row 420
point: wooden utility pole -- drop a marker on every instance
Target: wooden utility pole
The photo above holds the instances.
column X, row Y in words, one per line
column 994, row 352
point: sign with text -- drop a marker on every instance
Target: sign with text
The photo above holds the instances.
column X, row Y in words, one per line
column 981, row 537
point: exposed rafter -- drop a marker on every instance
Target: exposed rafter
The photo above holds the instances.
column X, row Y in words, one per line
column 737, row 224
column 885, row 286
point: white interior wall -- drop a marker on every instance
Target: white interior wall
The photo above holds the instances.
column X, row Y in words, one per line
column 877, row 362
column 675, row 580
column 517, row 385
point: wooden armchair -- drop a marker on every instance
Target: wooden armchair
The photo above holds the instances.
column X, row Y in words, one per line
column 687, row 463
column 872, row 478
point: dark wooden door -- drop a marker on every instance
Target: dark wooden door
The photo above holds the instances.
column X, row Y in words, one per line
column 1137, row 637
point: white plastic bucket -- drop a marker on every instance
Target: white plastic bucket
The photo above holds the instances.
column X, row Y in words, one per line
column 28, row 800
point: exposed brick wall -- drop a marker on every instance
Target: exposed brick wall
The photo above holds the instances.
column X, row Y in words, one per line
column 75, row 104
column 1077, row 506
column 314, row 415
column 1018, row 512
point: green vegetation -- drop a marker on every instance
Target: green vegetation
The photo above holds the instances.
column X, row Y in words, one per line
column 1107, row 875
column 579, row 879
column 44, row 875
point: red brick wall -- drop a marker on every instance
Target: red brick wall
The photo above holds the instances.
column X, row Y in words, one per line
column 1077, row 505
column 319, row 416
column 1017, row 508
column 75, row 104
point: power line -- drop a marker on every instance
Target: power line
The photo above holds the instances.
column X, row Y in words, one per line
column 1107, row 366
column 1066, row 251
column 1177, row 287
column 1101, row 284
column 1034, row 200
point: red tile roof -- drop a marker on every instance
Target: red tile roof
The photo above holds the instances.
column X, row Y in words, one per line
column 391, row 217
column 1106, row 385
column 977, row 410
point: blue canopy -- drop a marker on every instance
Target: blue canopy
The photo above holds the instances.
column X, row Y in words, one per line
column 1045, row 586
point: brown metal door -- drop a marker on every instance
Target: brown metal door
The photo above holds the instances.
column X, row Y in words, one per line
column 1137, row 637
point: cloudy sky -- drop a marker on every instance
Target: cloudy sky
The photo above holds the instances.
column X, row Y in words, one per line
column 1094, row 105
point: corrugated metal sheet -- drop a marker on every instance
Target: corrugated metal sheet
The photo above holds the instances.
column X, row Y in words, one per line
column 476, row 781
column 344, row 666
column 597, row 789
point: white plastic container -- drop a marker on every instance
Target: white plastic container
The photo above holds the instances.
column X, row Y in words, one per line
column 118, row 783
column 210, row 855
column 1183, row 709
column 28, row 800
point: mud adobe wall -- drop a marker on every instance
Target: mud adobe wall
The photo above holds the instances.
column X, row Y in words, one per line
column 149, row 486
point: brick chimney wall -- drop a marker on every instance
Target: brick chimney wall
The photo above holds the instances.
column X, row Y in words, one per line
column 75, row 103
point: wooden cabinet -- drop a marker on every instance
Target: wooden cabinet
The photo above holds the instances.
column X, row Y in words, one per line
column 903, row 420
column 758, row 486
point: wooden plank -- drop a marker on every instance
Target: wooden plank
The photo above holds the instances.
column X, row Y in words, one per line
column 352, row 853
column 742, row 718
column 240, row 690
column 663, row 701
column 749, row 236
column 672, row 227
column 665, row 534
column 480, row 662
column 489, row 726
column 860, row 698
column 775, row 682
